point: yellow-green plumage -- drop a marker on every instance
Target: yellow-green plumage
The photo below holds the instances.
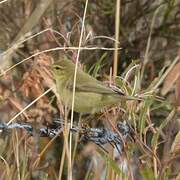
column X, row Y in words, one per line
column 90, row 94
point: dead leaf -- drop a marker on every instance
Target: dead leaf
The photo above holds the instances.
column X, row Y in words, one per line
column 171, row 79
column 177, row 92
column 15, row 103
column 175, row 148
column 178, row 176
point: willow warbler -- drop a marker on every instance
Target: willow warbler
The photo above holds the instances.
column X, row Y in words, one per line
column 91, row 95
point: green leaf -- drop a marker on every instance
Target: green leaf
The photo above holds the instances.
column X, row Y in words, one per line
column 95, row 67
column 155, row 138
column 112, row 163
column 147, row 173
column 143, row 114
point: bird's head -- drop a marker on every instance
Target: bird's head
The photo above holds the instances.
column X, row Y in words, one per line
column 62, row 68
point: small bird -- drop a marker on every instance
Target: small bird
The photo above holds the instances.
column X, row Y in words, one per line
column 91, row 95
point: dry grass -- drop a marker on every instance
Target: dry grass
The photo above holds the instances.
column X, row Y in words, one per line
column 84, row 31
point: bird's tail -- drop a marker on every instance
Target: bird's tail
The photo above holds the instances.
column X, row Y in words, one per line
column 143, row 97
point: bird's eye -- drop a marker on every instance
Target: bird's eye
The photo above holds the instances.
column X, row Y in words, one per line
column 57, row 68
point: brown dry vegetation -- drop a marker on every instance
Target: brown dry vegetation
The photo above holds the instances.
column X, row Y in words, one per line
column 34, row 34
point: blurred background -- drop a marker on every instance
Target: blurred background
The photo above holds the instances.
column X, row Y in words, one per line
column 34, row 34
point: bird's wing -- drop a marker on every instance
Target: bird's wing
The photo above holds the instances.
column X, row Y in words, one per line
column 86, row 83
column 96, row 88
column 91, row 85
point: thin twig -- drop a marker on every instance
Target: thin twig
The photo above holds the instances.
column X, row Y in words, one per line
column 146, row 57
column 29, row 105
column 74, row 82
column 166, row 73
column 3, row 1
column 116, row 44
column 56, row 49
